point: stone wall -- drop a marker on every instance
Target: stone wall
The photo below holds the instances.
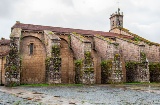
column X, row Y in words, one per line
column 143, row 74
column 137, row 72
column 120, row 31
column 112, row 71
column 91, row 39
column 84, row 66
column 96, row 60
column 37, row 34
column 102, row 47
column 78, row 44
column 67, row 68
column 89, row 50
column 13, row 60
column 152, row 53
column 4, row 49
column 1, row 64
column 97, row 66
column 2, row 70
column 53, row 61
column 130, row 51
column 32, row 72
column 48, row 41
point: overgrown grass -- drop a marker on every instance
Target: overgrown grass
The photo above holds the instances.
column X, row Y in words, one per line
column 47, row 85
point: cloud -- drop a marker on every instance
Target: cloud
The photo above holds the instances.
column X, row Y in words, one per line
column 6, row 7
column 67, row 2
column 141, row 17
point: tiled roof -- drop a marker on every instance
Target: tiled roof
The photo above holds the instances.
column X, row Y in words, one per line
column 4, row 53
column 4, row 42
column 64, row 30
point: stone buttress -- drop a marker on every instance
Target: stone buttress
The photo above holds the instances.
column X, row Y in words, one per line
column 143, row 74
column 84, row 67
column 13, row 61
column 53, row 60
column 112, row 64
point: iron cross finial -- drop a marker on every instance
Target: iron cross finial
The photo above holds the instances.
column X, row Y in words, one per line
column 118, row 10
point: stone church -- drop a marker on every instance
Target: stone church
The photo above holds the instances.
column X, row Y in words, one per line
column 45, row 54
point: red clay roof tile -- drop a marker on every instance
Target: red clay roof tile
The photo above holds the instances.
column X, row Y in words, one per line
column 4, row 42
column 4, row 53
column 65, row 30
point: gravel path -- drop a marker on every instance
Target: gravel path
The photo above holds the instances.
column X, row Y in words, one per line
column 11, row 99
column 80, row 95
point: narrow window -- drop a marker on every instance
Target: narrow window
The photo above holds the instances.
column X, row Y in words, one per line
column 113, row 23
column 31, row 48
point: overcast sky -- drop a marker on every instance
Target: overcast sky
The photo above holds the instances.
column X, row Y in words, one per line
column 141, row 17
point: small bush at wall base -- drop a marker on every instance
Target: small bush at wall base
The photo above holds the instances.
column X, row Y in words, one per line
column 78, row 71
column 105, row 68
column 154, row 69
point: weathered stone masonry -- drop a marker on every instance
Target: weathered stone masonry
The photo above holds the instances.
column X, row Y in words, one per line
column 82, row 50
column 13, row 60
column 32, row 49
column 109, row 51
column 4, row 50
column 45, row 54
column 53, row 61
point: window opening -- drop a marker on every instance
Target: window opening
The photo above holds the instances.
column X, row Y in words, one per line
column 31, row 48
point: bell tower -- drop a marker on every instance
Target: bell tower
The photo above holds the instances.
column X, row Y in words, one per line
column 116, row 19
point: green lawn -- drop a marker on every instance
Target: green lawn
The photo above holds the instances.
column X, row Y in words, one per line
column 45, row 85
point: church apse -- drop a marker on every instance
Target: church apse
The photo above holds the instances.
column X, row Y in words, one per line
column 32, row 50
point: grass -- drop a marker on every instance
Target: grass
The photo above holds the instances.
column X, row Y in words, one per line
column 78, row 85
column 17, row 103
column 47, row 85
column 134, row 83
column 145, row 83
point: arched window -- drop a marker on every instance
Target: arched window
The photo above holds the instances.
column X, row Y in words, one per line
column 31, row 48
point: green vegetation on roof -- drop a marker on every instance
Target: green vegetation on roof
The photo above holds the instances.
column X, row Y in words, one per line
column 138, row 38
column 105, row 39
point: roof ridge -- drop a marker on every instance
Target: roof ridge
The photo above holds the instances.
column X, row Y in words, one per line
column 64, row 30
column 58, row 27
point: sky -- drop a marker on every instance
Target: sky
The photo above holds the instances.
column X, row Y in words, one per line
column 141, row 17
